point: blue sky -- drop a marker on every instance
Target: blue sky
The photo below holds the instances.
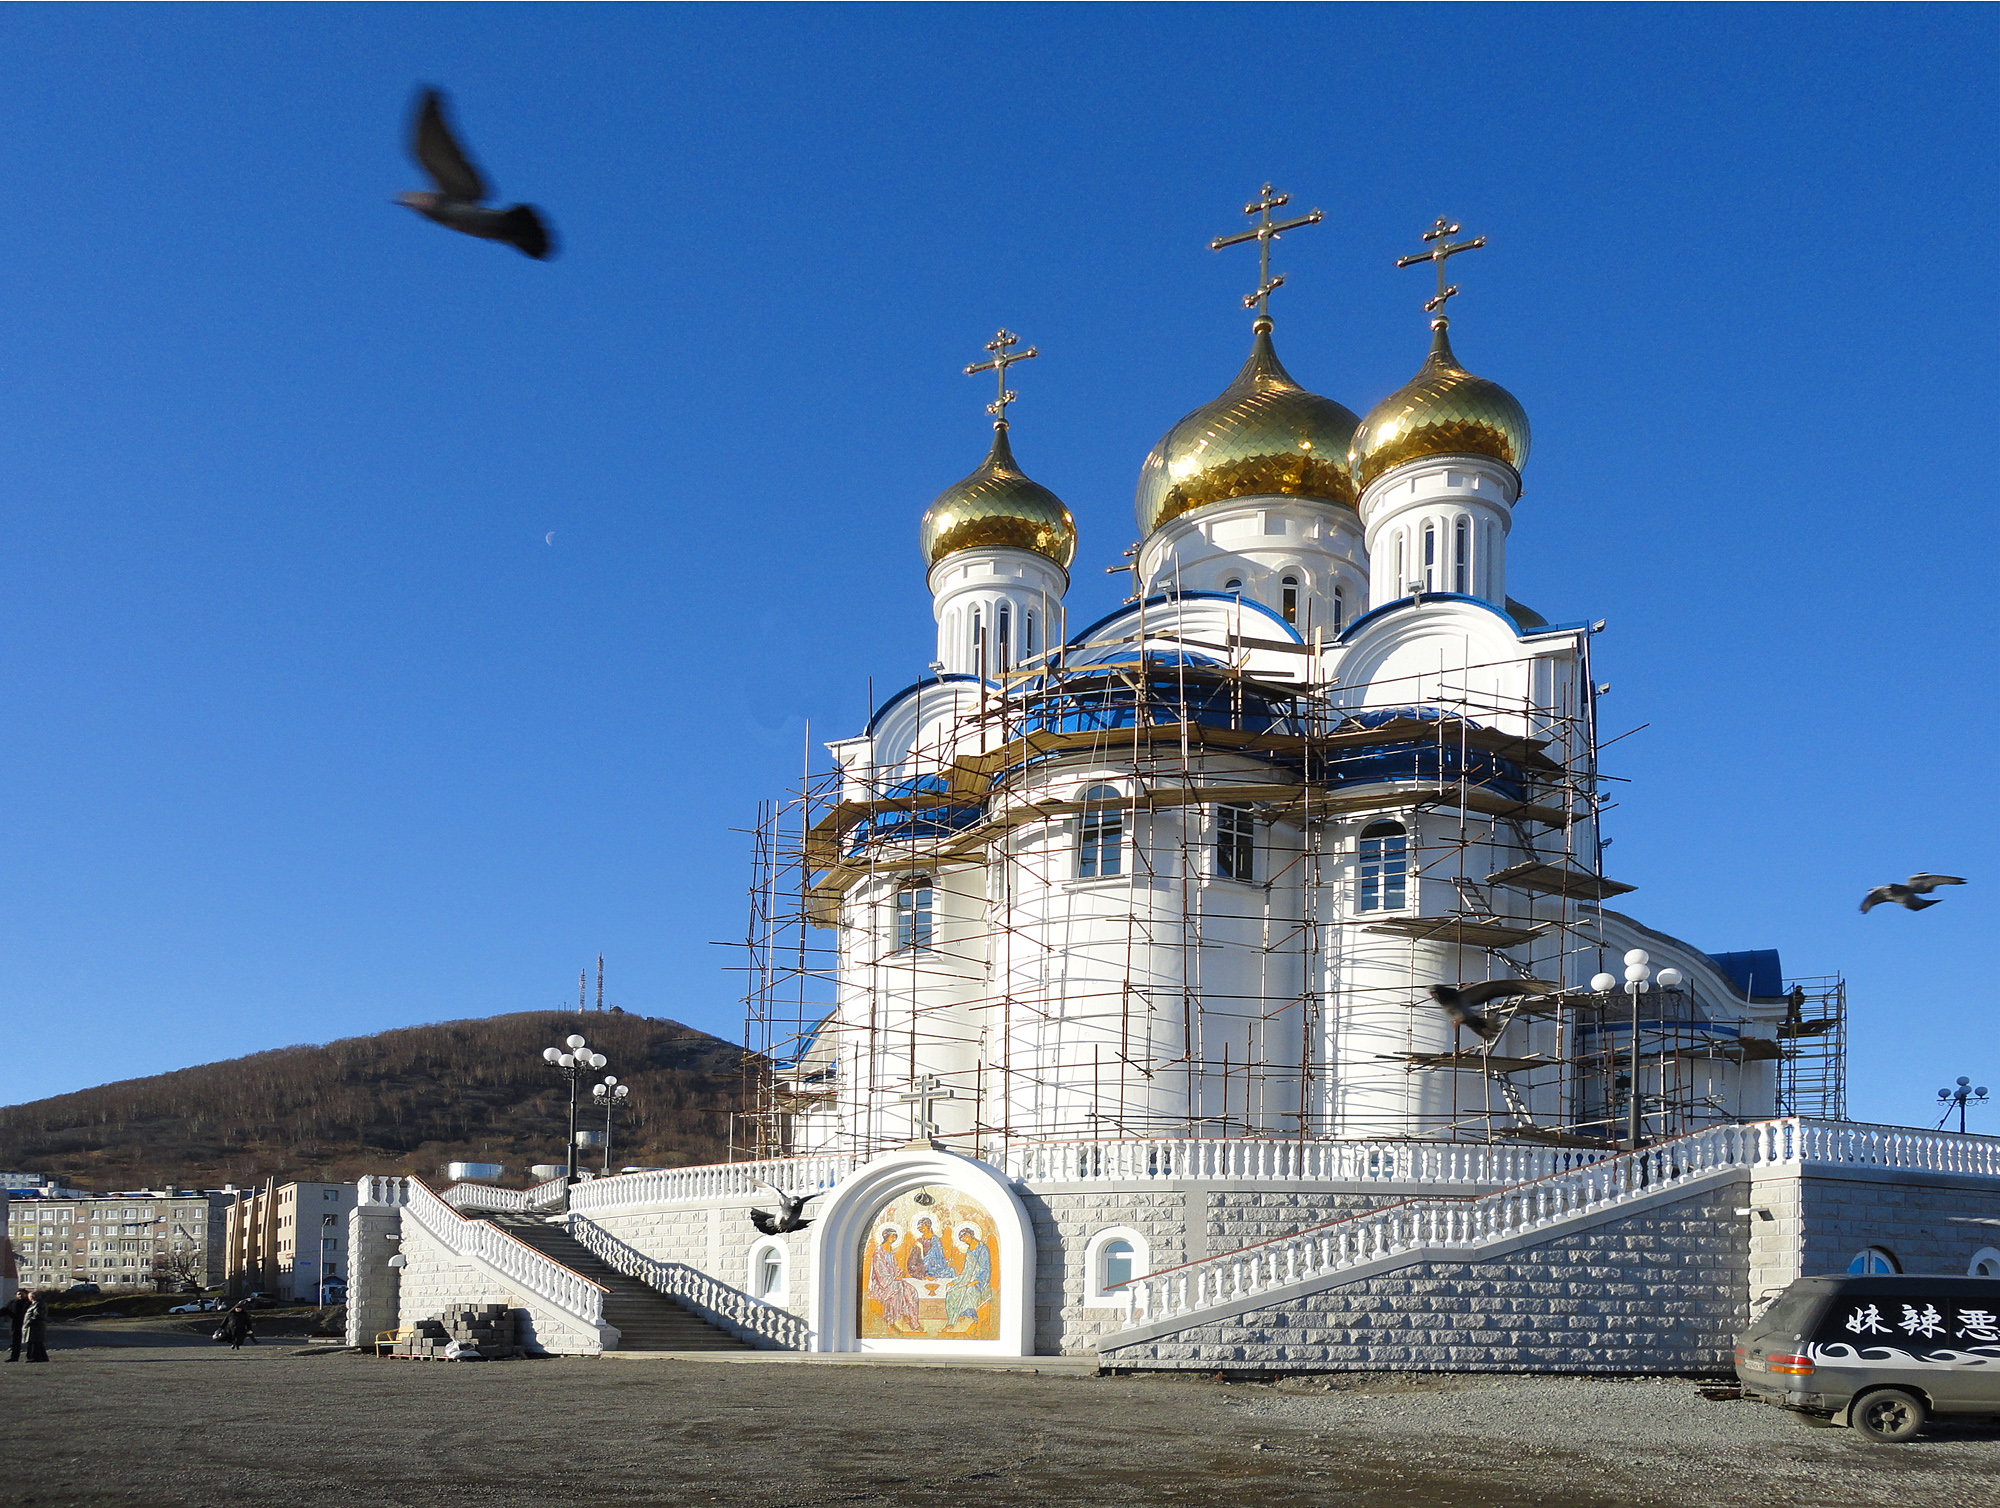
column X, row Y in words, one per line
column 310, row 733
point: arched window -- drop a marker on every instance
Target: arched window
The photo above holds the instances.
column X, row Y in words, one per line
column 1100, row 835
column 1113, row 1258
column 978, row 641
column 1430, row 557
column 1402, row 582
column 1027, row 634
column 1289, row 598
column 913, row 915
column 1004, row 634
column 1985, row 1263
column 1874, row 1260
column 1233, row 584
column 1235, row 842
column 1385, row 867
column 767, row 1272
column 1461, row 556
column 1339, row 609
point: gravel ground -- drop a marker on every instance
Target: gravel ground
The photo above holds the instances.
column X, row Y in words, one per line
column 145, row 1410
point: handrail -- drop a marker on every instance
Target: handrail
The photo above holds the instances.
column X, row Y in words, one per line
column 1279, row 1160
column 714, row 1300
column 373, row 1189
column 1470, row 1221
column 486, row 1196
column 511, row 1257
column 716, row 1180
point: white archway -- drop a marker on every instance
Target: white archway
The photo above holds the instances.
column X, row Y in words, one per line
column 847, row 1222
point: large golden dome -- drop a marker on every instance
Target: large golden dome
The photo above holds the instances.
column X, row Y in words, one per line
column 1443, row 410
column 1264, row 436
column 998, row 505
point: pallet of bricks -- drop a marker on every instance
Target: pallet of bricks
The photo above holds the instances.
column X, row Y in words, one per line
column 491, row 1331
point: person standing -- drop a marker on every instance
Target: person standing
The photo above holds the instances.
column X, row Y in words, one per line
column 35, row 1328
column 17, row 1311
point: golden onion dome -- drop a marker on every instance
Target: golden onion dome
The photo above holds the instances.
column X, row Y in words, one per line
column 1265, row 436
column 998, row 505
column 1443, row 410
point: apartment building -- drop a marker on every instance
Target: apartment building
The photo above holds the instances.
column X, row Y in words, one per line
column 145, row 1239
column 288, row 1240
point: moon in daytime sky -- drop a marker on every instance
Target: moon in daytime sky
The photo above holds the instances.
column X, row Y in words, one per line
column 549, row 538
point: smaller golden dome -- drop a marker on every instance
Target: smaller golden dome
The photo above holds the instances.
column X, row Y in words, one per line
column 1265, row 436
column 998, row 505
column 1443, row 410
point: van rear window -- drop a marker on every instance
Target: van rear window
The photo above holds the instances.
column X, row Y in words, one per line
column 1792, row 1313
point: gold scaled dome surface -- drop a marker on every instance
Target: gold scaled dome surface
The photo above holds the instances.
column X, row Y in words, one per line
column 998, row 505
column 1265, row 436
column 1443, row 410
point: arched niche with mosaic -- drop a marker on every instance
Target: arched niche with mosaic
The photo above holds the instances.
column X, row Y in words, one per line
column 927, row 1268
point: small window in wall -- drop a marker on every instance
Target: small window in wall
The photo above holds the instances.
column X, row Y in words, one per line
column 913, row 915
column 1874, row 1260
column 1100, row 835
column 1113, row 1260
column 1004, row 635
column 1235, row 842
column 1461, row 556
column 978, row 642
column 1402, row 579
column 1289, row 598
column 1430, row 557
column 1339, row 609
column 1985, row 1263
column 767, row 1272
column 1233, row 584
column 1385, row 867
column 1027, row 634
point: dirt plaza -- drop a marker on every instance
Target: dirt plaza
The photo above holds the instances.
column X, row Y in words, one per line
column 148, row 1410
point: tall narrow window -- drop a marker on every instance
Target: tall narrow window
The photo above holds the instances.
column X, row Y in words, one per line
column 978, row 642
column 1003, row 635
column 1027, row 634
column 1116, row 1258
column 1461, row 557
column 1385, row 867
column 1236, row 842
column 1339, row 609
column 913, row 915
column 1100, row 835
column 1430, row 557
column 1290, row 599
column 1402, row 582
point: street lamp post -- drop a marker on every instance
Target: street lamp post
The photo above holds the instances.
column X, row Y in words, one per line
column 613, row 1097
column 573, row 1060
column 1958, row 1099
column 1638, row 980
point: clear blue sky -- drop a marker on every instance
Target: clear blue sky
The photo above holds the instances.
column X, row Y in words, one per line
column 309, row 733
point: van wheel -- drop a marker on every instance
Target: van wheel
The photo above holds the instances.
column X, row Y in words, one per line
column 1888, row 1417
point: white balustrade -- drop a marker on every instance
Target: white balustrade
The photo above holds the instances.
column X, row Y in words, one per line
column 1256, row 1160
column 515, row 1260
column 485, row 1196
column 1475, row 1220
column 714, row 1181
column 712, row 1299
column 375, row 1190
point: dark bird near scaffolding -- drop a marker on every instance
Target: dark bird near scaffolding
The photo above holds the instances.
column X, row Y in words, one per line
column 1462, row 1002
column 790, row 1216
column 457, row 201
column 1910, row 893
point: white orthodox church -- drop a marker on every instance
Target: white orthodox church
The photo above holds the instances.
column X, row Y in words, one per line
column 1098, row 1017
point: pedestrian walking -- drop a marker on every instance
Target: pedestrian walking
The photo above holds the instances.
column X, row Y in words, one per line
column 35, row 1328
column 17, row 1311
column 237, row 1327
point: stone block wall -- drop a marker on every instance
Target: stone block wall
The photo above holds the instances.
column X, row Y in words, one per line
column 437, row 1280
column 1663, row 1289
column 373, row 1290
column 715, row 1239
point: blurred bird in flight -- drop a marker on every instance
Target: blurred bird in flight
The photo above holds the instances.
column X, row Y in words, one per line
column 1910, row 893
column 456, row 203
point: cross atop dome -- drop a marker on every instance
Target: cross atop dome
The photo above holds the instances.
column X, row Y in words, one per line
column 1264, row 232
column 1004, row 355
column 1442, row 251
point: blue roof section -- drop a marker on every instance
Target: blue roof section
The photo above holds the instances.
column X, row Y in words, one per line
column 1083, row 635
column 931, row 680
column 1755, row 972
column 1126, row 652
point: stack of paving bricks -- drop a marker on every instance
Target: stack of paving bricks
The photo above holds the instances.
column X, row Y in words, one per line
column 493, row 1329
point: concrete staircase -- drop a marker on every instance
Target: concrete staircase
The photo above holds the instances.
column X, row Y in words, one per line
column 645, row 1318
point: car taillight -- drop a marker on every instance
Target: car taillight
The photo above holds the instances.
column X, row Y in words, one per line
column 1790, row 1366
column 1742, row 1353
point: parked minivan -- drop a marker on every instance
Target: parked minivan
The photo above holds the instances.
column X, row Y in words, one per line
column 1881, row 1354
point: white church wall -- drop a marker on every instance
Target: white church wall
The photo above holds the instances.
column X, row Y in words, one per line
column 1252, row 544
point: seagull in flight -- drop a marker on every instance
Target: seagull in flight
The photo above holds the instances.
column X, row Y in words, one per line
column 457, row 201
column 1910, row 893
column 789, row 1217
column 1462, row 1002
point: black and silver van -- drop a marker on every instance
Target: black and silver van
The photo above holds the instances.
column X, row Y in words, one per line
column 1880, row 1353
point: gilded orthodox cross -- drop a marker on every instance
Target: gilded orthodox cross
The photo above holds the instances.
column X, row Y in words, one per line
column 923, row 1091
column 1442, row 251
column 1264, row 232
column 1004, row 355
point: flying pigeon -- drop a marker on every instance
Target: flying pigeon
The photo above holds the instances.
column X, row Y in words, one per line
column 1910, row 893
column 456, row 202
column 788, row 1218
column 1462, row 1002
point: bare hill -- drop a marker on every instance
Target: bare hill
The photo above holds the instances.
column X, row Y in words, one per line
column 405, row 1101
